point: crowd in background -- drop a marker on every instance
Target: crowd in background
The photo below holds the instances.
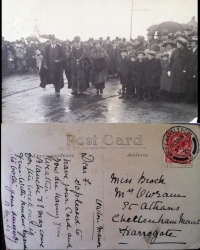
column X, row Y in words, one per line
column 165, row 63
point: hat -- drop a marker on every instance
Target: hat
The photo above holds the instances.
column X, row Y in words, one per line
column 108, row 38
column 155, row 47
column 129, row 44
column 171, row 36
column 140, row 38
column 124, row 40
column 194, row 39
column 182, row 40
column 140, row 52
column 151, row 52
column 101, row 38
column 164, row 54
column 184, row 36
column 131, row 55
column 96, row 41
column 165, row 32
column 169, row 42
column 77, row 39
column 158, row 33
column 37, row 52
column 177, row 34
column 123, row 50
column 52, row 37
column 150, row 33
column 191, row 34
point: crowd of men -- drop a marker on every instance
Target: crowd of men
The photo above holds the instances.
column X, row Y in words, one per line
column 164, row 65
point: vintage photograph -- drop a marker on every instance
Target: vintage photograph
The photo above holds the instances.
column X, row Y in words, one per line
column 99, row 61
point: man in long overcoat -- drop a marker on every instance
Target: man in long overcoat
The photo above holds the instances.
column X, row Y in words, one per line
column 192, row 72
column 178, row 68
column 52, row 67
column 78, row 63
column 114, row 58
column 153, row 74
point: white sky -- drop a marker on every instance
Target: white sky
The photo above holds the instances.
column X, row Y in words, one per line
column 90, row 18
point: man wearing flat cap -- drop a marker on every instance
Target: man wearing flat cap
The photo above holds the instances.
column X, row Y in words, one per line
column 52, row 68
column 150, row 39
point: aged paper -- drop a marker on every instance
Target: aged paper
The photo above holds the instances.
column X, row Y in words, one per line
column 108, row 186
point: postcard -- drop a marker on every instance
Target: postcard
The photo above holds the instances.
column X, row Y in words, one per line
column 108, row 186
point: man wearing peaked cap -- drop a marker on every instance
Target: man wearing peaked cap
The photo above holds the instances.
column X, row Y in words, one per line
column 51, row 71
column 140, row 52
column 169, row 41
column 151, row 52
column 123, row 50
column 155, row 47
column 165, row 54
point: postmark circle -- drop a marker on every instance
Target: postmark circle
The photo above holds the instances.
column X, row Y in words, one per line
column 180, row 145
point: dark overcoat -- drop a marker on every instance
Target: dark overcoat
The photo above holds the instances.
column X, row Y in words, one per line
column 178, row 64
column 124, row 71
column 78, row 63
column 192, row 66
column 153, row 73
column 140, row 70
column 30, row 56
column 114, row 58
column 54, row 73
column 166, row 81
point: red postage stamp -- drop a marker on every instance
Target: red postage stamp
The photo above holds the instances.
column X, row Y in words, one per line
column 180, row 145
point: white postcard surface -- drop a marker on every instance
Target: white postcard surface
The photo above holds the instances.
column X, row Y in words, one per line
column 108, row 186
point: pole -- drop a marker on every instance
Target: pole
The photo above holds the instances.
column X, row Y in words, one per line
column 131, row 20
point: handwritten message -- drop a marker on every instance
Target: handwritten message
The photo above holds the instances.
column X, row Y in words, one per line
column 97, row 197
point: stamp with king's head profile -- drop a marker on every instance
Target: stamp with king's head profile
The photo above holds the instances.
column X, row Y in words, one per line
column 180, row 145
